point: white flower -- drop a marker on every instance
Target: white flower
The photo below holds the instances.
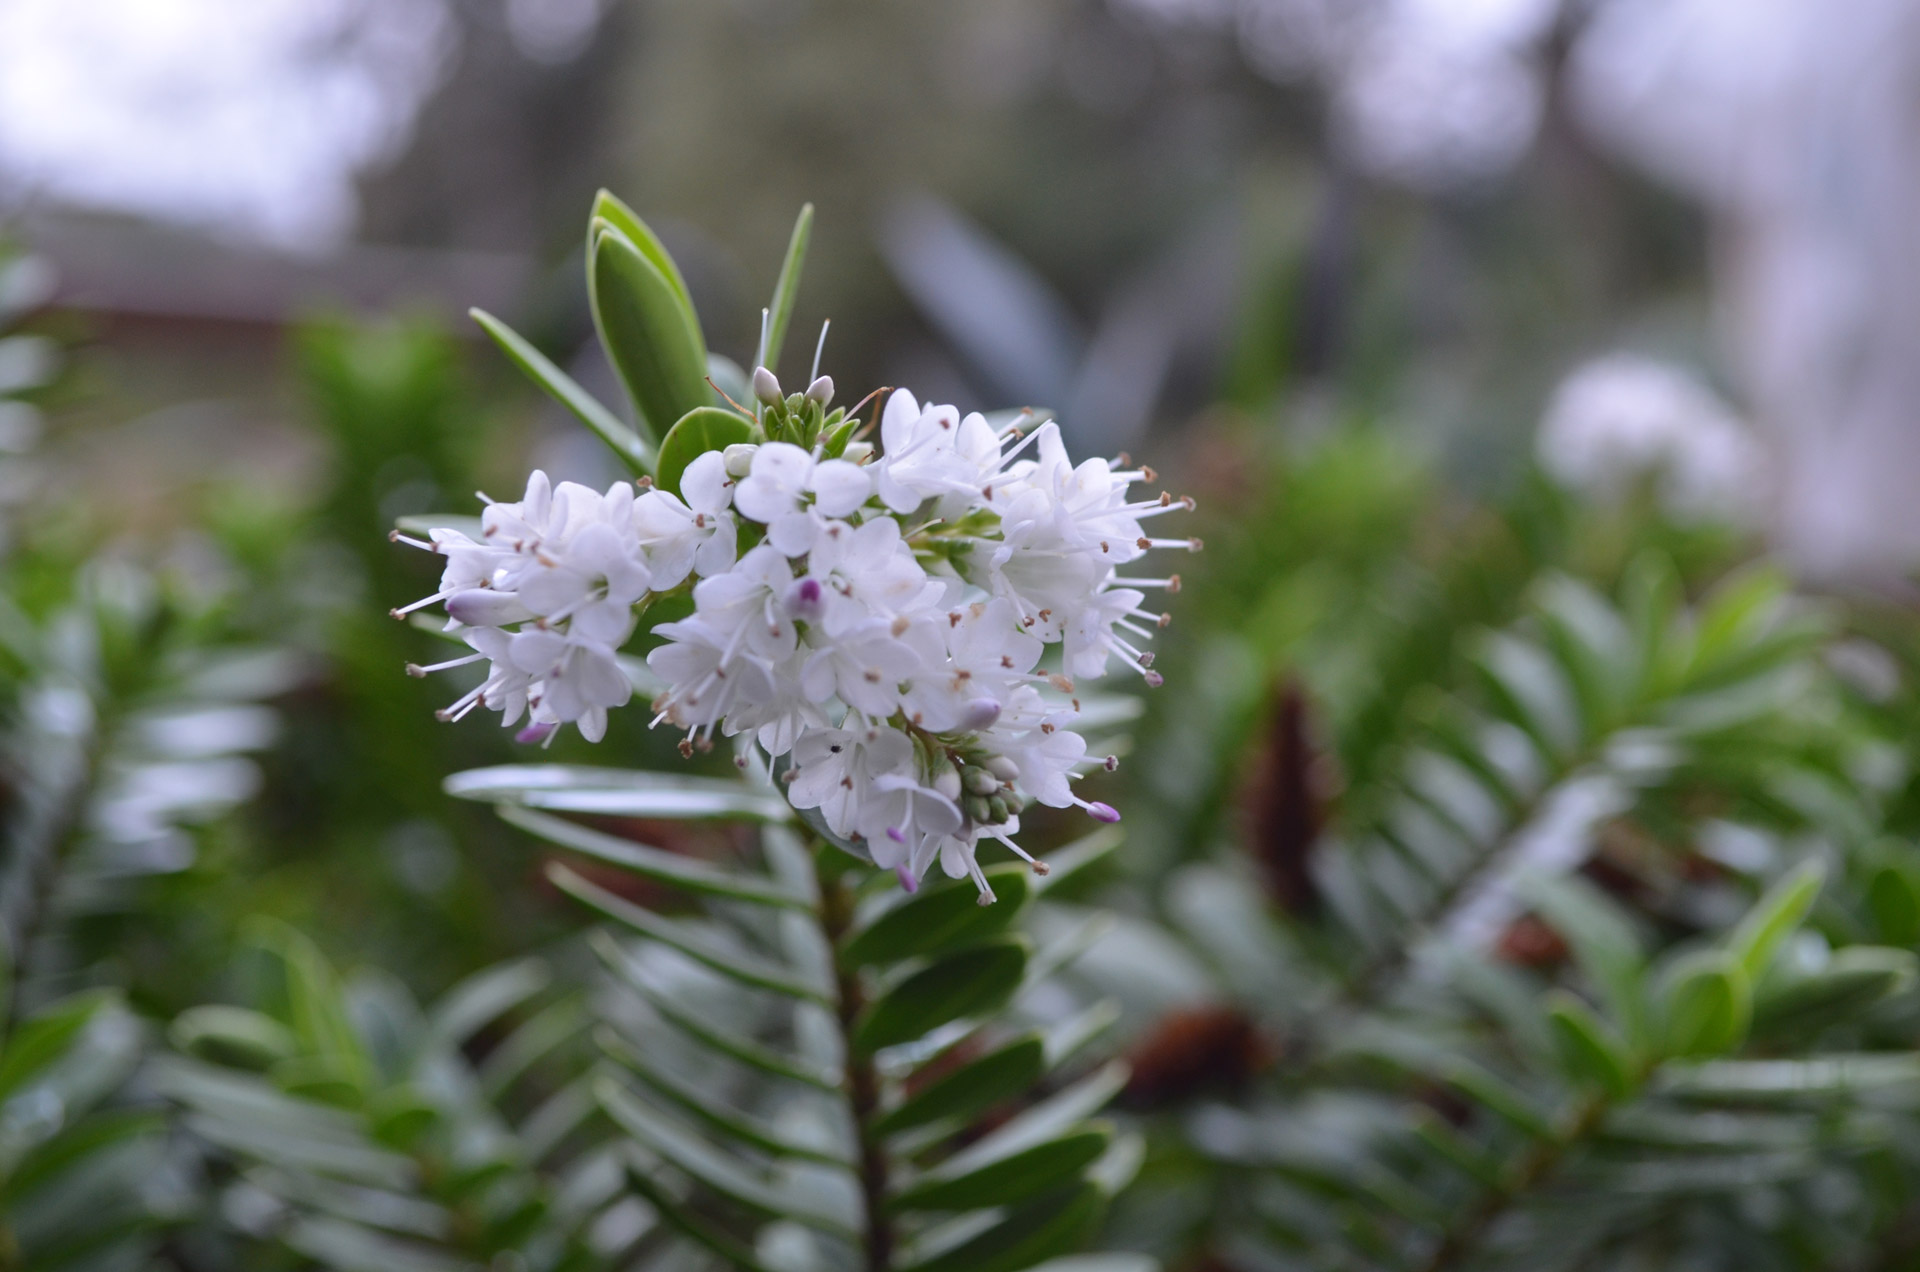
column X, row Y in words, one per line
column 694, row 535
column 578, row 678
column 863, row 664
column 777, row 488
column 932, row 453
column 834, row 771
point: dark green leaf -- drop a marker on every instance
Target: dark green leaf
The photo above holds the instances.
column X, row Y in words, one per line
column 627, row 444
column 1853, row 979
column 940, row 919
column 1000, row 1074
column 703, row 429
column 47, row 1037
column 971, row 982
column 651, row 334
column 1028, row 1173
column 1893, row 893
column 687, row 938
column 1040, row 1229
column 690, row 1225
column 232, row 1036
column 608, row 208
column 486, row 996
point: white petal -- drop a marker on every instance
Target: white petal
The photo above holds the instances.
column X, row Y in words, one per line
column 840, row 487
column 705, row 483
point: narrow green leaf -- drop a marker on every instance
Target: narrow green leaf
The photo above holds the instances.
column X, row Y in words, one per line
column 1592, row 1050
column 1707, row 1002
column 939, row 919
column 1775, row 916
column 1075, row 1032
column 79, row 1145
column 1484, row 1088
column 712, row 1167
column 484, row 997
column 610, row 428
column 1028, row 1173
column 703, row 429
column 1041, row 1229
column 1604, row 944
column 1000, row 1074
column 1816, row 1080
column 614, row 792
column 690, row 1225
column 1893, row 894
column 233, row 1036
column 1439, row 1135
column 1053, row 1117
column 699, row 1103
column 651, row 334
column 745, row 1050
column 44, row 1039
column 610, row 209
column 788, row 288
column 686, row 938
column 669, row 868
column 1854, row 979
column 964, row 984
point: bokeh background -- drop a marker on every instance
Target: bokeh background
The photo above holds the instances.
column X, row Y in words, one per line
column 1354, row 272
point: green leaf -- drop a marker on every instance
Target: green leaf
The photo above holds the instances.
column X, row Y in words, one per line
column 1893, row 894
column 964, row 984
column 1069, row 863
column 699, row 1103
column 716, row 1169
column 939, row 919
column 1009, row 1179
column 688, row 1224
column 745, row 1050
column 233, row 1036
column 1482, row 1086
column 1854, row 979
column 613, row 792
column 1057, row 1115
column 1774, row 917
column 1603, row 941
column 1777, row 1081
column 651, row 334
column 669, row 868
column 703, row 429
column 607, row 207
column 46, row 1038
column 484, row 997
column 687, row 938
column 788, row 288
column 1000, row 1074
column 1041, row 1229
column 634, row 450
column 1707, row 1002
column 1593, row 1051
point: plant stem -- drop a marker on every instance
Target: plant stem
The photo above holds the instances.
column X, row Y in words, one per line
column 862, row 1080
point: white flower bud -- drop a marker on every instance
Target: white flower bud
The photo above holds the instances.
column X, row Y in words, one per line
column 739, row 458
column 765, row 387
column 980, row 714
column 946, row 780
column 1003, row 768
column 821, row 390
column 857, row 452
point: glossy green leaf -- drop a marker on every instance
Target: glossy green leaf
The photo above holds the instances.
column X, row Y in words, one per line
column 613, row 792
column 713, row 1167
column 780, row 312
column 1593, row 1051
column 941, row 918
column 651, row 334
column 486, row 996
column 686, row 873
column 1854, row 979
column 45, row 1038
column 703, row 429
column 1040, row 1229
column 609, row 208
column 1008, row 1180
column 1707, row 1003
column 233, row 1036
column 695, row 1228
column 999, row 1075
column 971, row 982
column 633, row 450
column 700, row 1104
column 745, row 1050
column 687, row 938
column 1775, row 917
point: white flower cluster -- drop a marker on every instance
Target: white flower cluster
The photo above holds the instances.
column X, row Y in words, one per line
column 884, row 627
